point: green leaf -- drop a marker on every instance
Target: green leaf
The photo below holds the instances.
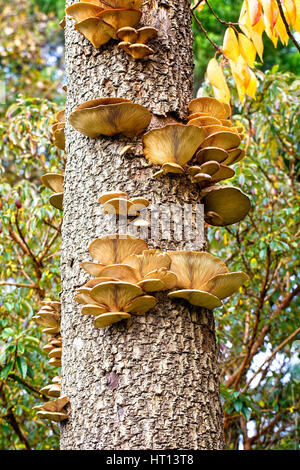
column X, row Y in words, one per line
column 22, row 366
column 6, row 370
column 238, row 405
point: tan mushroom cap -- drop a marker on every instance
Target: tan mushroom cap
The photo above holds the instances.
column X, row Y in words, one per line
column 209, row 168
column 97, row 280
column 230, row 203
column 121, row 206
column 226, row 122
column 234, row 156
column 193, row 269
column 204, row 121
column 119, row 18
column 197, row 297
column 210, row 106
column 95, row 30
column 145, row 34
column 196, row 115
column 110, row 119
column 83, row 296
column 61, row 116
column 56, row 200
column 173, row 143
column 82, row 10
column 52, row 303
column 148, row 261
column 111, row 195
column 137, row 51
column 225, row 140
column 59, row 138
column 55, row 362
column 141, row 305
column 213, row 129
column 56, row 416
column 54, row 390
column 224, row 285
column 113, row 249
column 212, row 153
column 56, row 352
column 107, row 319
column 115, row 294
column 53, row 181
column 92, row 268
column 127, row 34
column 93, row 310
column 62, row 23
column 136, row 4
column 224, row 173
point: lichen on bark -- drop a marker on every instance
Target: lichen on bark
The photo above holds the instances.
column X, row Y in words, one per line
column 151, row 382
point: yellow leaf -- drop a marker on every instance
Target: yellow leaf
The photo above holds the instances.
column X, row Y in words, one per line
column 247, row 49
column 252, row 87
column 289, row 9
column 231, row 45
column 215, row 74
column 254, row 33
column 281, row 31
column 292, row 409
column 254, row 10
column 296, row 25
column 222, row 94
column 271, row 13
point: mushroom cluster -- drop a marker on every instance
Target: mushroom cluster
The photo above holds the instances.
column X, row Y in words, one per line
column 211, row 143
column 134, row 41
column 49, row 317
column 203, row 279
column 53, row 389
column 125, row 272
column 53, row 410
column 118, row 202
column 55, row 181
column 99, row 20
column 58, row 130
column 110, row 116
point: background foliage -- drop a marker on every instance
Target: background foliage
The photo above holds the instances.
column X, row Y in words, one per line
column 258, row 328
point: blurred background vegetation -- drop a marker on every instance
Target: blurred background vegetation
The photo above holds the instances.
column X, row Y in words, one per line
column 258, row 329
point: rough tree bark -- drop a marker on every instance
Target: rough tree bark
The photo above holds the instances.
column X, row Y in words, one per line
column 151, row 382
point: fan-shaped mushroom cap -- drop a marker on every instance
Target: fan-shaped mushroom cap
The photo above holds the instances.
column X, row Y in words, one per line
column 56, row 200
column 213, row 129
column 173, row 143
column 52, row 390
column 169, row 168
column 92, row 268
column 229, row 203
column 212, row 153
column 148, row 261
column 55, row 362
column 141, row 305
column 106, row 319
column 119, row 18
column 115, row 294
column 226, row 122
column 83, row 296
column 59, row 138
column 193, row 269
column 145, row 34
column 234, row 156
column 125, row 206
column 197, row 297
column 204, row 121
column 82, row 10
column 52, row 415
column 62, row 23
column 93, row 310
column 53, row 405
column 51, row 331
column 111, row 195
column 136, row 4
column 137, row 51
column 61, row 116
column 196, row 115
column 127, row 34
column 95, row 30
column 225, row 140
column 209, row 106
column 113, row 118
column 201, row 178
column 210, row 168
column 56, row 352
column 224, row 285
column 224, row 172
column 53, row 181
column 52, row 304
column 113, row 249
column 97, row 280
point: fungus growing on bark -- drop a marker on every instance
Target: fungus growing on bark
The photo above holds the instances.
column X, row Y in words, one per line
column 53, row 410
column 203, row 279
column 137, row 36
column 115, row 300
column 210, row 106
column 172, row 146
column 224, row 205
column 58, row 130
column 112, row 249
column 225, row 140
column 110, row 116
column 48, row 315
column 118, row 202
column 53, row 389
column 99, row 27
column 137, row 51
column 54, row 181
column 150, row 271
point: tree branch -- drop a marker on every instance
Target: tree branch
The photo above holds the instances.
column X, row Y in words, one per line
column 286, row 24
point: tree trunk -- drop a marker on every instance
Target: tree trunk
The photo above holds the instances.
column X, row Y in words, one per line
column 151, row 382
